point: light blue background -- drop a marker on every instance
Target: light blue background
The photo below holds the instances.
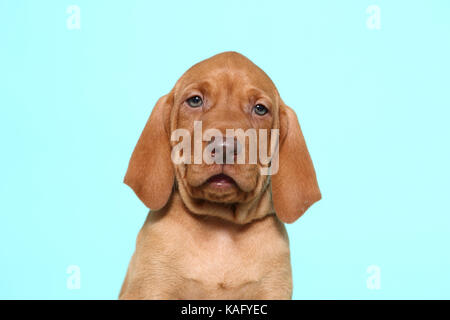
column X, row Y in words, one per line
column 373, row 104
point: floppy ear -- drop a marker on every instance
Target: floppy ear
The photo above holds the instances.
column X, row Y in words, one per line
column 150, row 172
column 294, row 186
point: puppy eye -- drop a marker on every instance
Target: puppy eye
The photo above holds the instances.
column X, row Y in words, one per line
column 260, row 110
column 195, row 102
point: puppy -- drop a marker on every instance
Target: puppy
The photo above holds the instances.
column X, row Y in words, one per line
column 216, row 230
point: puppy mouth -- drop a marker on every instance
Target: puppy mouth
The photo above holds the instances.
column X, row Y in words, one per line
column 221, row 181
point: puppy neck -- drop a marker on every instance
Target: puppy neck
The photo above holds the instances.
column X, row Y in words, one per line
column 239, row 213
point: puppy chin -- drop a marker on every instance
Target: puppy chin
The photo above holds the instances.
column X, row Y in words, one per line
column 225, row 184
column 218, row 188
column 221, row 188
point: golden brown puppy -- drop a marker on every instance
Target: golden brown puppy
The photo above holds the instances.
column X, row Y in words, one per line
column 215, row 231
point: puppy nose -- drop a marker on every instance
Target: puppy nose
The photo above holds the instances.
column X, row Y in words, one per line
column 225, row 149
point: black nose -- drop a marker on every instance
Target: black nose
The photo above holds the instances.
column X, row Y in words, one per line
column 225, row 150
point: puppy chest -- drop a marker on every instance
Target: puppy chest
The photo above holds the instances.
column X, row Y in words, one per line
column 222, row 265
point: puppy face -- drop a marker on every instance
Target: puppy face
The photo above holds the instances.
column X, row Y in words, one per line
column 225, row 92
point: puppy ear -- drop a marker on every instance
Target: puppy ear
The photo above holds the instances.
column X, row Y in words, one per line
column 294, row 186
column 150, row 172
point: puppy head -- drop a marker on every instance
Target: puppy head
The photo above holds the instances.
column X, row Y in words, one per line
column 223, row 93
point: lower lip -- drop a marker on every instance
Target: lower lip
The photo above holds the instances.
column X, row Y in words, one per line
column 221, row 182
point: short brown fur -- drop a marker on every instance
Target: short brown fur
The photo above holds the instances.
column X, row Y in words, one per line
column 198, row 243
